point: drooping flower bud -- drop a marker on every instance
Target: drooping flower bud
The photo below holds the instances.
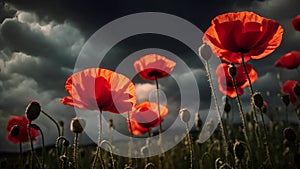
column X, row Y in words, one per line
column 66, row 143
column 77, row 125
column 297, row 89
column 232, row 70
column 285, row 99
column 14, row 131
column 205, row 51
column 33, row 110
column 258, row 100
column 290, row 134
column 185, row 115
column 239, row 150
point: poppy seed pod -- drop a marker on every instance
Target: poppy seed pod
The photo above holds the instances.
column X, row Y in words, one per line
column 285, row 99
column 14, row 131
column 77, row 125
column 297, row 89
column 205, row 51
column 258, row 100
column 239, row 150
column 185, row 115
column 33, row 110
column 290, row 134
column 232, row 70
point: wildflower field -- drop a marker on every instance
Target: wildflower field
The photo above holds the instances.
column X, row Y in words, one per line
column 265, row 136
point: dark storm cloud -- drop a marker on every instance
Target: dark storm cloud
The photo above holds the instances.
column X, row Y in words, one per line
column 39, row 48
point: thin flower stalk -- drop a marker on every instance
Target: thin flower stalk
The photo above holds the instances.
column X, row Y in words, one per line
column 217, row 108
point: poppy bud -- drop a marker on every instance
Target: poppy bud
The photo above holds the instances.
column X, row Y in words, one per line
column 145, row 150
column 297, row 90
column 198, row 121
column 66, row 143
column 77, row 125
column 61, row 123
column 111, row 124
column 227, row 107
column 258, row 100
column 205, row 51
column 239, row 150
column 33, row 110
column 286, row 99
column 232, row 70
column 15, row 131
column 185, row 115
column 289, row 134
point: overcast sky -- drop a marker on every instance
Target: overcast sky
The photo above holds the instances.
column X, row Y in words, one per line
column 40, row 42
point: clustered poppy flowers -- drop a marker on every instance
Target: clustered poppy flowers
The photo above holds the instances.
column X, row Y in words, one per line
column 237, row 37
column 17, row 128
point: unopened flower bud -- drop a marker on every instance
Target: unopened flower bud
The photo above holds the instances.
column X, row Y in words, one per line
column 66, row 143
column 227, row 107
column 239, row 150
column 77, row 125
column 111, row 124
column 232, row 70
column 290, row 134
column 61, row 123
column 33, row 110
column 14, row 131
column 258, row 100
column 297, row 89
column 185, row 115
column 205, row 51
column 145, row 151
column 285, row 99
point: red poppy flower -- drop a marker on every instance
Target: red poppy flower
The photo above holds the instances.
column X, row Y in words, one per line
column 145, row 117
column 242, row 32
column 296, row 23
column 96, row 88
column 288, row 88
column 153, row 66
column 21, row 135
column 290, row 60
column 226, row 85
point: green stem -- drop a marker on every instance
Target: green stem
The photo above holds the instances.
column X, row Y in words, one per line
column 256, row 128
column 54, row 121
column 190, row 145
column 287, row 115
column 43, row 148
column 131, row 141
column 158, row 105
column 75, row 150
column 267, row 141
column 98, row 151
column 244, row 121
column 33, row 155
column 21, row 155
column 218, row 110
